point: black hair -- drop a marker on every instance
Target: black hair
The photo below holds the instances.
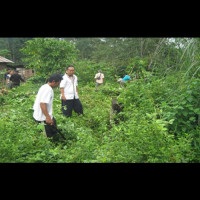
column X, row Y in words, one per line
column 69, row 67
column 55, row 77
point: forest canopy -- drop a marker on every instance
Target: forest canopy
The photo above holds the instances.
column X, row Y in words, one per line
column 160, row 54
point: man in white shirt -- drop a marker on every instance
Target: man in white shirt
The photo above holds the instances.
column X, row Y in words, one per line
column 8, row 81
column 99, row 78
column 43, row 105
column 69, row 93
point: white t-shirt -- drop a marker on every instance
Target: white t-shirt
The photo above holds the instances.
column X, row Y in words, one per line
column 8, row 77
column 101, row 78
column 44, row 95
column 69, row 84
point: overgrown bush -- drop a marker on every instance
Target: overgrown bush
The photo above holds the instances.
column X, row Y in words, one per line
column 149, row 128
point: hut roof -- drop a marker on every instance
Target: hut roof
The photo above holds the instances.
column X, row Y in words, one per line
column 4, row 60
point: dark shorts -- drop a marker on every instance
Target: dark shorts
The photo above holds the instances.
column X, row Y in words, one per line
column 51, row 130
column 69, row 105
column 99, row 84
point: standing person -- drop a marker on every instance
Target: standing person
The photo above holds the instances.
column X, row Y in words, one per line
column 43, row 105
column 8, row 81
column 69, row 93
column 99, row 78
column 8, row 71
column 16, row 78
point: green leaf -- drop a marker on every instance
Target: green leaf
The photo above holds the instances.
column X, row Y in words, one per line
column 192, row 119
column 185, row 113
column 41, row 126
column 171, row 121
column 183, row 102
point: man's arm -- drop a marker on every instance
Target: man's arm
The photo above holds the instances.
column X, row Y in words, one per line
column 21, row 78
column 62, row 94
column 44, row 110
column 11, row 78
column 95, row 78
column 129, row 80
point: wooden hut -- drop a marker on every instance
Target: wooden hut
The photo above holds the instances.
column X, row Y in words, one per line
column 3, row 63
column 3, row 66
column 24, row 72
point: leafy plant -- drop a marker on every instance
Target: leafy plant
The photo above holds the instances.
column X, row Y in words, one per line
column 48, row 55
column 137, row 66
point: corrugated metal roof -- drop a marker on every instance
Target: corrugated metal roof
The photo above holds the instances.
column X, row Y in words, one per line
column 2, row 59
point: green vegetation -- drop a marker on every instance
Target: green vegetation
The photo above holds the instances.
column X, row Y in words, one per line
column 160, row 119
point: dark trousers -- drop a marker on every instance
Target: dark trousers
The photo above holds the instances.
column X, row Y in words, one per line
column 15, row 84
column 50, row 130
column 69, row 105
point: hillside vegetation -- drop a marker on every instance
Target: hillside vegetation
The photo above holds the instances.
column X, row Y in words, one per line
column 159, row 117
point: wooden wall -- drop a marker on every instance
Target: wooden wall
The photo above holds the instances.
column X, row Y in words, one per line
column 25, row 73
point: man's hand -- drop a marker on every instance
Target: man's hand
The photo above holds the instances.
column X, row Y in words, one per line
column 44, row 110
column 63, row 98
column 49, row 120
column 62, row 94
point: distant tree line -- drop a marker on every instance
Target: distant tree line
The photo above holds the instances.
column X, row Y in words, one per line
column 9, row 48
column 159, row 54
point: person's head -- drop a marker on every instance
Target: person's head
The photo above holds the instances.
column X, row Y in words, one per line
column 16, row 71
column 54, row 80
column 99, row 71
column 130, row 75
column 8, row 70
column 70, row 70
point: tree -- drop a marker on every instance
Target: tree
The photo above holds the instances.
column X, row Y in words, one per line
column 85, row 47
column 4, row 53
column 9, row 48
column 48, row 55
column 137, row 66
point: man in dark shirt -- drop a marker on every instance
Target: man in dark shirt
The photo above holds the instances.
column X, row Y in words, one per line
column 15, row 78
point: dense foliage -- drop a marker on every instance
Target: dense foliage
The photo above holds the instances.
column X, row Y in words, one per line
column 160, row 116
column 146, row 132
column 47, row 55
